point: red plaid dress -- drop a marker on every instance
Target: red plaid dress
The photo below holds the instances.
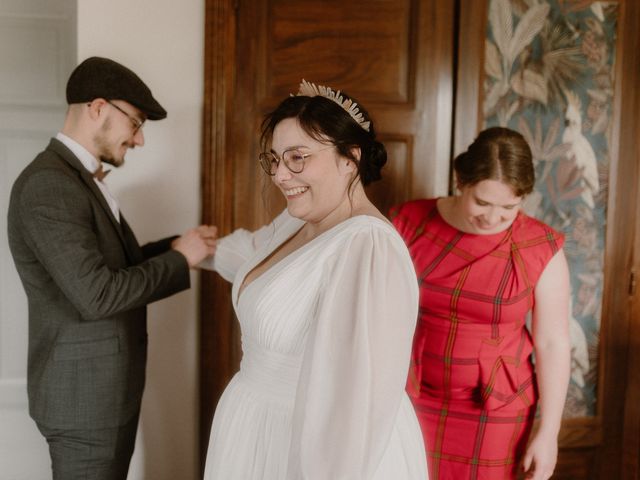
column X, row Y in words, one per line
column 472, row 381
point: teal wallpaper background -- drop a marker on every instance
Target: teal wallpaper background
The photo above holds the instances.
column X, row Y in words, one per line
column 548, row 74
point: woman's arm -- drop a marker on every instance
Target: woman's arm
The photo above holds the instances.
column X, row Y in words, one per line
column 553, row 364
column 233, row 250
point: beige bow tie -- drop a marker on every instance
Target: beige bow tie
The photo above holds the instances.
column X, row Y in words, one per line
column 100, row 173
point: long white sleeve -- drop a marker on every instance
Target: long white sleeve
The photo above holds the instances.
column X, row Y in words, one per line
column 355, row 366
column 235, row 249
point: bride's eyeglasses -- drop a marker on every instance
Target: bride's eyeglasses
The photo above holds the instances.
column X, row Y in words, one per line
column 293, row 159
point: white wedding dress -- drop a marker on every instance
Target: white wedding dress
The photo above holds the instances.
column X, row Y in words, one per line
column 326, row 340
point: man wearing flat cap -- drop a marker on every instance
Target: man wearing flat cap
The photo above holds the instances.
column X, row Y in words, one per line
column 87, row 279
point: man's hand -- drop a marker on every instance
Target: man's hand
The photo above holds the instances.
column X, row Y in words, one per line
column 197, row 244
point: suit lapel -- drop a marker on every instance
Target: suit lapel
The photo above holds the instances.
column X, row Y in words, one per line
column 87, row 178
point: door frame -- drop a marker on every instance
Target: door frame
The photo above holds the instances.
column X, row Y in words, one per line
column 217, row 338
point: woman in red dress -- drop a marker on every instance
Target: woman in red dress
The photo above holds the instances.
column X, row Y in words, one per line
column 483, row 266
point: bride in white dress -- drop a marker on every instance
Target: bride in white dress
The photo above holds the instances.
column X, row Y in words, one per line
column 327, row 300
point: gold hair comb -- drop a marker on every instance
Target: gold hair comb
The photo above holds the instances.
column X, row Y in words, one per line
column 308, row 89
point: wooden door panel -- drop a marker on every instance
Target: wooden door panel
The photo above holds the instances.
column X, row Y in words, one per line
column 358, row 46
column 375, row 51
column 575, row 464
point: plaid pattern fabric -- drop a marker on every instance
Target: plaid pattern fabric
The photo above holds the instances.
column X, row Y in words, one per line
column 472, row 380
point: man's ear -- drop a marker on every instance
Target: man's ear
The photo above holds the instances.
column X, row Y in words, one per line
column 95, row 107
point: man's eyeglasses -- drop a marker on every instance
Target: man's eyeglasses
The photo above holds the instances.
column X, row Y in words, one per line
column 135, row 123
column 293, row 159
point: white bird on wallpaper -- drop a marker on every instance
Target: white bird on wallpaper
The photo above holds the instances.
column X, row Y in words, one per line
column 579, row 349
column 596, row 8
column 580, row 150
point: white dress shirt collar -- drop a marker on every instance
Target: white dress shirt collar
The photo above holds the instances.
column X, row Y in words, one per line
column 89, row 162
column 92, row 164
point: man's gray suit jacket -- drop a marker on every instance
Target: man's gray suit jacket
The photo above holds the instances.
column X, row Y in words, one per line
column 88, row 283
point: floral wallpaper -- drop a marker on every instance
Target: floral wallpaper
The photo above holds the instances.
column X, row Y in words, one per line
column 549, row 75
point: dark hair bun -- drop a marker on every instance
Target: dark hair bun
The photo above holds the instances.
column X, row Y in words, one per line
column 371, row 163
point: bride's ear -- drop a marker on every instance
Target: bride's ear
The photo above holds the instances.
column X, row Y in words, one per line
column 350, row 165
column 356, row 153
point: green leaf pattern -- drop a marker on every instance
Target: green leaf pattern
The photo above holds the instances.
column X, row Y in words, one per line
column 548, row 74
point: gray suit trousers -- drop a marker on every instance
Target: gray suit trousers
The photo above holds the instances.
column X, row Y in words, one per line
column 96, row 454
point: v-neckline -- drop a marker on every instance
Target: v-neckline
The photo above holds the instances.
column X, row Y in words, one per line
column 242, row 287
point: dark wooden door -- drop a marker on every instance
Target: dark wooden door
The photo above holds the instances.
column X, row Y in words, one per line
column 394, row 56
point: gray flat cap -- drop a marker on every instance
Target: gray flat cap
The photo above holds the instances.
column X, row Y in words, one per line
column 98, row 77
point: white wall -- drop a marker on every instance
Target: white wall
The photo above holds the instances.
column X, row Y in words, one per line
column 158, row 189
column 37, row 53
